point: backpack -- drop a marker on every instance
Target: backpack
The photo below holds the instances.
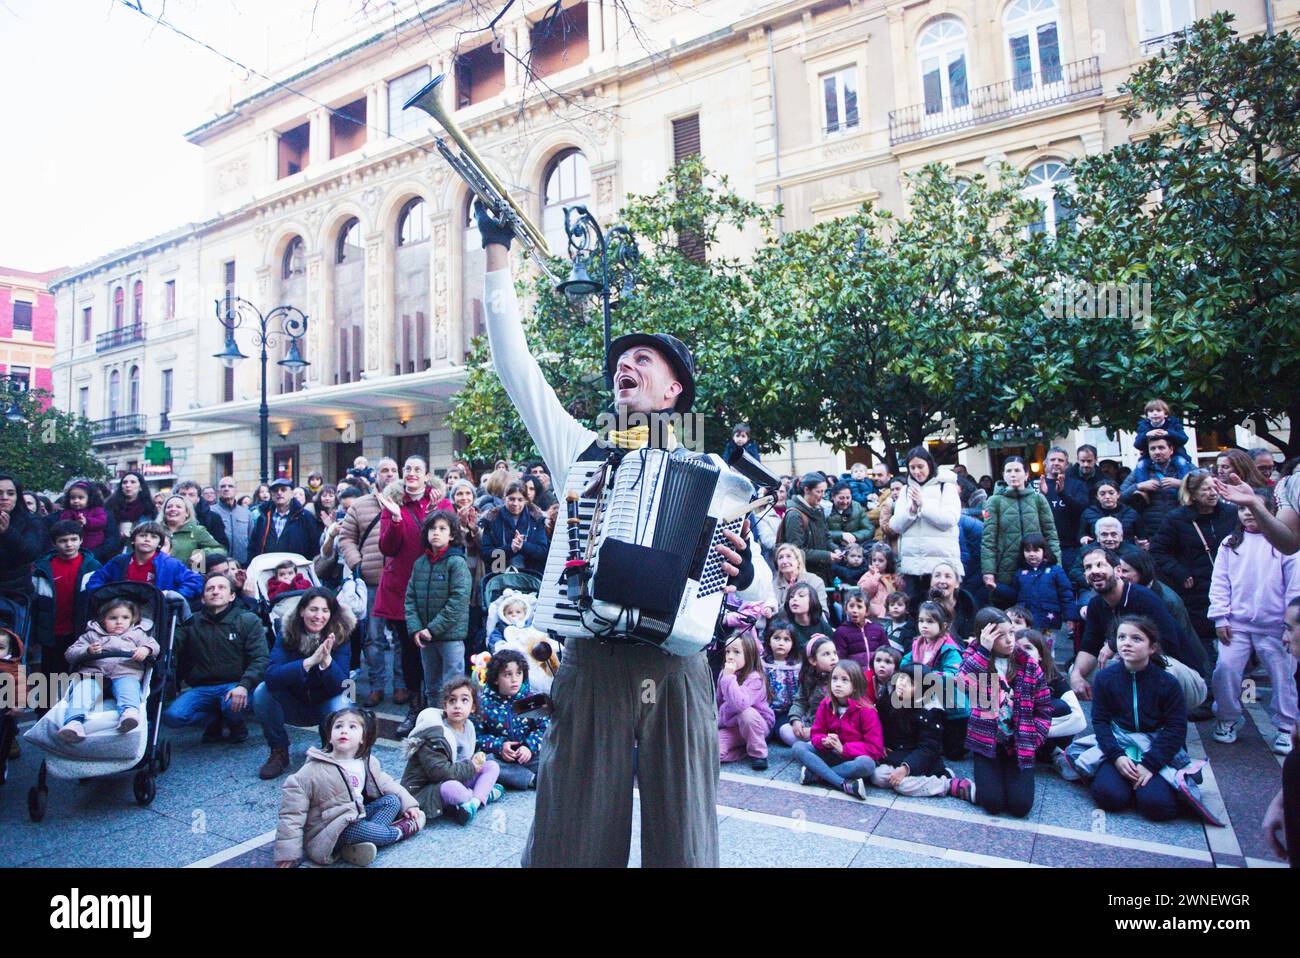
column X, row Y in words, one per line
column 803, row 519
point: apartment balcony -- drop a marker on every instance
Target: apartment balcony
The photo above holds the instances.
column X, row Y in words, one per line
column 118, row 427
column 997, row 101
column 117, row 338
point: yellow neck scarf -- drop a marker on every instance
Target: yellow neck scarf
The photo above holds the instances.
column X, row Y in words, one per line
column 639, row 436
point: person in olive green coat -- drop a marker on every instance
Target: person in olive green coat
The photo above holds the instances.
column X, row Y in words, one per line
column 188, row 534
column 1014, row 511
column 804, row 525
column 437, row 601
column 848, row 522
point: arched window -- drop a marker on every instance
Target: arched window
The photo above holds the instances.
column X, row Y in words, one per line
column 567, row 183
column 119, row 301
column 295, row 259
column 413, row 222
column 349, row 308
column 348, row 247
column 293, row 292
column 942, row 52
column 411, row 278
column 1041, row 182
column 1033, row 43
column 137, row 309
column 473, row 263
column 114, row 394
column 133, row 391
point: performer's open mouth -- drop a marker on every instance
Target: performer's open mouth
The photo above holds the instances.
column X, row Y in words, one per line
column 626, row 382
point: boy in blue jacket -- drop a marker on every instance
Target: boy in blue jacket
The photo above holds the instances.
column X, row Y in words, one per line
column 146, row 562
column 1158, row 422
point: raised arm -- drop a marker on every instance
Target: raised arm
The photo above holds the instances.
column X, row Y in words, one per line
column 559, row 437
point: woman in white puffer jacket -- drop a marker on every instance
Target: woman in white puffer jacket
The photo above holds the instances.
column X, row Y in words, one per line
column 927, row 521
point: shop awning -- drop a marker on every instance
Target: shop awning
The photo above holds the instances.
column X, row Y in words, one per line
column 412, row 394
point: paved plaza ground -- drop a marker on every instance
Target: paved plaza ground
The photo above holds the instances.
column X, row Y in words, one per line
column 212, row 811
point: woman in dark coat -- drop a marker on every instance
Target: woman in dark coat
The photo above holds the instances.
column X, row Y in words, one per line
column 1185, row 547
column 130, row 503
column 514, row 535
column 22, row 538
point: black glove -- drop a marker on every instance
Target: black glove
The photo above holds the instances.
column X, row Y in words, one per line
column 489, row 230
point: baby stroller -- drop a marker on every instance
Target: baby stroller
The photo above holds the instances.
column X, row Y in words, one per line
column 495, row 585
column 261, row 570
column 106, row 751
column 15, row 624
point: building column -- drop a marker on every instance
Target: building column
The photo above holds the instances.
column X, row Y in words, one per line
column 378, row 307
column 317, row 336
column 447, row 342
column 319, row 143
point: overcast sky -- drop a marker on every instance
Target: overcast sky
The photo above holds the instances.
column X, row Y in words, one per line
column 98, row 99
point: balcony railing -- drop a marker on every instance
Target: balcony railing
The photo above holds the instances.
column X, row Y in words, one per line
column 114, row 427
column 117, row 338
column 987, row 104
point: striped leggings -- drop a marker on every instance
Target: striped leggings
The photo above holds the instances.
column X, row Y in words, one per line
column 377, row 826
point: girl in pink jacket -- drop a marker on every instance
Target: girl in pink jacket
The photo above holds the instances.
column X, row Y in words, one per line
column 847, row 740
column 1249, row 591
column 745, row 716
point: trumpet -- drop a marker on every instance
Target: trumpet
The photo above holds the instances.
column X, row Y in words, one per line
column 471, row 168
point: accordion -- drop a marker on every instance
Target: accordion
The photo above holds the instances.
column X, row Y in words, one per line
column 655, row 575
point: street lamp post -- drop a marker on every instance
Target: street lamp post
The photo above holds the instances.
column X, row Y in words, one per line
column 232, row 312
column 586, row 242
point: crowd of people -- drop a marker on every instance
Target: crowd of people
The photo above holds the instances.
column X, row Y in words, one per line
column 913, row 620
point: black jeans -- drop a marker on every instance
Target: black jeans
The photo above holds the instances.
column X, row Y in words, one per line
column 1001, row 785
column 412, row 666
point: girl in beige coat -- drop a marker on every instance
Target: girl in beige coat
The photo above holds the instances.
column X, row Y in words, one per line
column 341, row 804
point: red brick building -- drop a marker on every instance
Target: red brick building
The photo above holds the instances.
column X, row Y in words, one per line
column 27, row 327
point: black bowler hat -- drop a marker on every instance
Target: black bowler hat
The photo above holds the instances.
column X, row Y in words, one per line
column 672, row 349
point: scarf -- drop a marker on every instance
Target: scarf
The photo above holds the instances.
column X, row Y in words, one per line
column 435, row 557
column 133, row 511
column 639, row 436
column 926, row 652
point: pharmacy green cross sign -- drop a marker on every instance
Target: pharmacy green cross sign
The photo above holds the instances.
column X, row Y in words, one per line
column 157, row 453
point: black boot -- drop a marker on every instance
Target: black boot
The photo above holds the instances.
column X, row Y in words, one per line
column 412, row 713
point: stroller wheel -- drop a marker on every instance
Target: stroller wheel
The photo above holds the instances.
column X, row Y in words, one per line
column 144, row 787
column 164, row 756
column 36, row 800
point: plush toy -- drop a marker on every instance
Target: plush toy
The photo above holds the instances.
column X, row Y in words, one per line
column 543, row 654
column 478, row 667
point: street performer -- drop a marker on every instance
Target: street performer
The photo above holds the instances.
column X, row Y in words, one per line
column 618, row 704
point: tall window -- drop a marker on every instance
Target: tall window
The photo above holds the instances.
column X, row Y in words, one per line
column 942, row 52
column 559, row 41
column 349, row 306
column 411, row 352
column 228, row 277
column 166, row 424
column 86, row 317
column 169, row 300
column 114, row 394
column 567, row 183
column 686, row 143
column 473, row 262
column 1033, row 43
column 1159, row 19
column 22, row 315
column 407, row 123
column 133, row 391
column 840, row 100
column 1041, row 183
column 119, row 304
column 293, row 292
column 137, row 300
column 20, row 378
column 83, row 402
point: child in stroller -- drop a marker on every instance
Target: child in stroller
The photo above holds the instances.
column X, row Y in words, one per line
column 115, row 647
column 287, row 578
column 12, row 678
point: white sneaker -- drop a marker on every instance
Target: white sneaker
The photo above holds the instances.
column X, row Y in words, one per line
column 1282, row 744
column 804, row 775
column 361, row 854
column 1225, row 732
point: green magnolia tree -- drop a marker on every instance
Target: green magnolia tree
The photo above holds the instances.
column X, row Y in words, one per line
column 46, row 447
column 703, row 303
column 1205, row 209
column 893, row 328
